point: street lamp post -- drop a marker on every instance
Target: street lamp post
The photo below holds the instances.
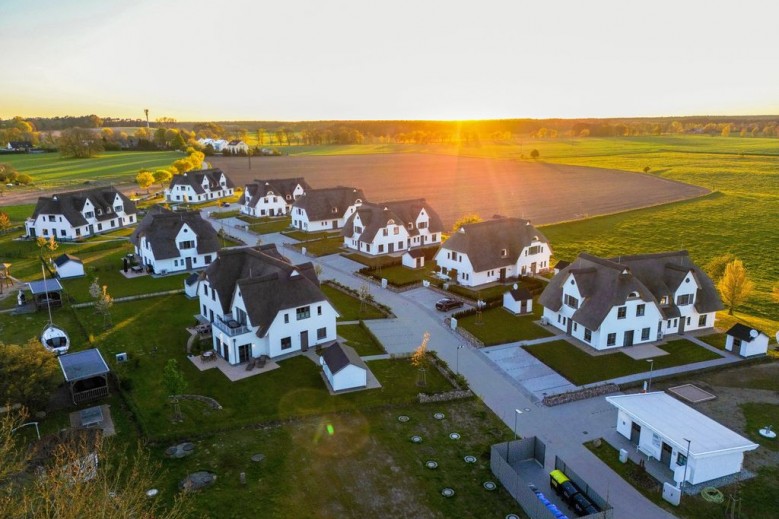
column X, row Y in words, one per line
column 651, row 368
column 517, row 412
column 458, row 357
column 686, row 462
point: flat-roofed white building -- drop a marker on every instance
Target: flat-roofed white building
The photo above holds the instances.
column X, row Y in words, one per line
column 661, row 426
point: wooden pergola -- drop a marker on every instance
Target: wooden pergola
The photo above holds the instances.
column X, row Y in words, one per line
column 86, row 374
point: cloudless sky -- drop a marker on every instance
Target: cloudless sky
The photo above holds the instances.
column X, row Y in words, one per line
column 363, row 59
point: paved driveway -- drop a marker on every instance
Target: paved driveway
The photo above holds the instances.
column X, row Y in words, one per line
column 535, row 376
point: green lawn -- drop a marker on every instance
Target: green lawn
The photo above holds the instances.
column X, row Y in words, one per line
column 399, row 275
column 322, row 246
column 220, row 215
column 500, row 327
column 759, row 496
column 270, row 225
column 717, row 340
column 348, row 306
column 359, row 338
column 492, row 293
column 17, row 213
column 582, row 368
column 309, row 236
column 50, row 170
column 372, row 261
column 758, row 415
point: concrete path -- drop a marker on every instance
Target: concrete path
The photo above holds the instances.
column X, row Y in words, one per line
column 563, row 428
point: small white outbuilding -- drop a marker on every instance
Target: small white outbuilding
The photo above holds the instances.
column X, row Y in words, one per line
column 68, row 266
column 746, row 341
column 677, row 435
column 191, row 285
column 413, row 259
column 518, row 300
column 343, row 368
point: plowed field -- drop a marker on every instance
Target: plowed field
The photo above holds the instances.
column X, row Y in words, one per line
column 544, row 193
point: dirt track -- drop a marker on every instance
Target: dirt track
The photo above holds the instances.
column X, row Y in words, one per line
column 544, row 193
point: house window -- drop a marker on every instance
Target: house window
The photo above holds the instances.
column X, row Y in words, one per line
column 286, row 318
column 681, row 460
column 558, row 318
column 213, row 294
column 645, row 334
column 684, row 299
column 52, row 218
column 535, row 249
column 62, row 232
column 286, row 343
column 319, row 310
column 587, row 335
column 669, row 323
column 575, row 326
column 89, row 214
column 321, row 333
column 396, row 230
column 611, row 339
column 504, row 253
column 304, row 312
column 381, row 247
column 736, row 343
column 205, row 311
column 640, row 309
column 433, row 237
column 702, row 320
column 384, row 232
column 100, row 227
column 622, row 312
column 410, row 226
column 208, row 259
column 118, row 208
column 571, row 301
column 188, row 244
column 664, row 300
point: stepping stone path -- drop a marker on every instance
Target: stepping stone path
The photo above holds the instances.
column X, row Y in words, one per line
column 258, row 457
column 447, row 492
column 197, row 480
column 439, row 416
column 416, row 439
column 512, row 516
column 489, row 485
column 470, row 459
column 454, row 436
column 431, row 464
column 181, row 450
column 403, row 418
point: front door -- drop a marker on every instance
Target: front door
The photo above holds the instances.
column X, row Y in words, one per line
column 628, row 338
column 503, row 274
column 225, row 352
column 304, row 341
column 635, row 433
column 391, row 247
column 533, row 267
column 189, row 263
column 243, row 353
column 335, row 224
column 570, row 326
column 665, row 454
column 681, row 325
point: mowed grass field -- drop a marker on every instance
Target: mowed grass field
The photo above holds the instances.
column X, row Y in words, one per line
column 50, row 170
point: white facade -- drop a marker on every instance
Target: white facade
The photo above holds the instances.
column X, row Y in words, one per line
column 188, row 257
column 661, row 427
column 637, row 321
column 394, row 236
column 216, row 144
column 186, row 193
column 300, row 219
column 412, row 261
column 293, row 330
column 236, row 147
column 97, row 222
column 270, row 204
column 533, row 258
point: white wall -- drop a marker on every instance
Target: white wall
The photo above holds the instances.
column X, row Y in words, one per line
column 279, row 329
column 70, row 269
column 301, row 221
column 348, row 378
column 758, row 346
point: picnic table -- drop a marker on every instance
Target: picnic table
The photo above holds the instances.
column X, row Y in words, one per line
column 208, row 356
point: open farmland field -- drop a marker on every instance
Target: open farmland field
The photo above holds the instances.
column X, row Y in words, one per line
column 49, row 170
column 454, row 186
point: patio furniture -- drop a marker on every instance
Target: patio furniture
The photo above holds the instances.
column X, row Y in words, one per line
column 91, row 416
column 208, row 356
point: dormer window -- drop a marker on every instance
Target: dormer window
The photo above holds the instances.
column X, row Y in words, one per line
column 410, row 226
column 504, row 253
column 664, row 300
column 633, row 295
column 288, row 197
column 335, row 210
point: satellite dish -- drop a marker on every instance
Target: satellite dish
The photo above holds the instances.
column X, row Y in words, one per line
column 753, row 333
column 516, row 286
column 777, row 337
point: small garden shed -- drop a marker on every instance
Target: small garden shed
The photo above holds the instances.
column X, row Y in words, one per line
column 746, row 341
column 68, row 266
column 414, row 259
column 343, row 368
column 518, row 300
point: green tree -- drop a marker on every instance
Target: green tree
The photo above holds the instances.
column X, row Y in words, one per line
column 79, row 143
column 735, row 287
column 175, row 384
column 5, row 222
column 8, row 174
column 465, row 220
column 178, row 142
column 162, row 177
column 534, row 154
column 726, row 131
column 24, row 179
column 144, row 179
column 46, row 245
column 716, row 267
column 775, row 293
column 27, row 374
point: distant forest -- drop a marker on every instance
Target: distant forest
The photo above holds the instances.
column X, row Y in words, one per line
column 285, row 133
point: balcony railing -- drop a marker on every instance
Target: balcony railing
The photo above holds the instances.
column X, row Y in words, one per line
column 230, row 327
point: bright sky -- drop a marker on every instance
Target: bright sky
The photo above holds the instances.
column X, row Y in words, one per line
column 362, row 59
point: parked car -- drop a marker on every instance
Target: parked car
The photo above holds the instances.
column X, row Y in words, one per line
column 225, row 204
column 447, row 303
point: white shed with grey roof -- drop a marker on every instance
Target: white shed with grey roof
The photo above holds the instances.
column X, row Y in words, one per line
column 68, row 266
column 676, row 434
column 343, row 368
column 746, row 341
